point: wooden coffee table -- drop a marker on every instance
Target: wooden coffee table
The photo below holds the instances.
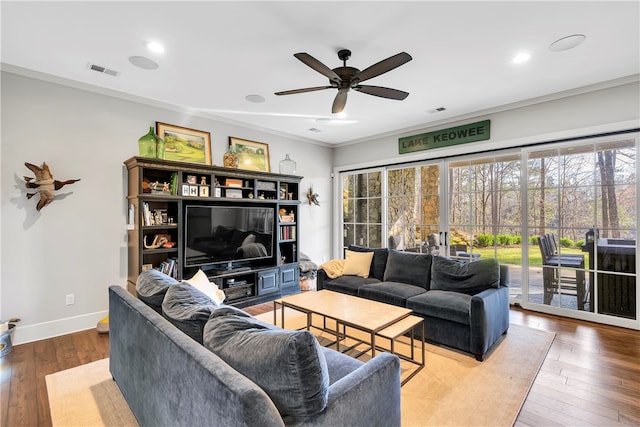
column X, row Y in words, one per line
column 375, row 319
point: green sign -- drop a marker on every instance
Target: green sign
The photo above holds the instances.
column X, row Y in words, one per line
column 478, row 131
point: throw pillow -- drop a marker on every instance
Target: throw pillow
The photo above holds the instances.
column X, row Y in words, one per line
column 288, row 365
column 408, row 267
column 333, row 268
column 188, row 309
column 151, row 287
column 201, row 282
column 357, row 263
column 379, row 262
column 467, row 277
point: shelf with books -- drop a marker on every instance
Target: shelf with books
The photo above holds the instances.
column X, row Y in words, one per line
column 159, row 192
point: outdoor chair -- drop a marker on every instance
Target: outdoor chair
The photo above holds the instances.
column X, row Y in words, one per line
column 554, row 281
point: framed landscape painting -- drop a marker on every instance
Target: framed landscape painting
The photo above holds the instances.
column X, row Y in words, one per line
column 251, row 155
column 184, row 144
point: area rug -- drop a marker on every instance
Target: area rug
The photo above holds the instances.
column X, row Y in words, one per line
column 452, row 389
column 87, row 396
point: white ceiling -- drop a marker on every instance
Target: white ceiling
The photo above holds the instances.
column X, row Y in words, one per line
column 219, row 52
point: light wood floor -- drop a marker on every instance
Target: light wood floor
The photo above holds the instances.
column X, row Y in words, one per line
column 591, row 375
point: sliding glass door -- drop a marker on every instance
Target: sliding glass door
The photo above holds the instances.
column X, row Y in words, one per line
column 485, row 212
column 582, row 218
column 561, row 216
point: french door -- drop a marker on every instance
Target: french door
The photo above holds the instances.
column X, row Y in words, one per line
column 579, row 196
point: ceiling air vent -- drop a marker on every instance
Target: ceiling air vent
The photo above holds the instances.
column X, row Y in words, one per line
column 437, row 110
column 103, row 70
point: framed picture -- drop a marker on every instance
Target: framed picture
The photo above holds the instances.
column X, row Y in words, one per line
column 184, row 144
column 251, row 155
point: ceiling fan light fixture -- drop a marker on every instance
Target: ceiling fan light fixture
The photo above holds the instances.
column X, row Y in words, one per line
column 345, row 78
column 568, row 42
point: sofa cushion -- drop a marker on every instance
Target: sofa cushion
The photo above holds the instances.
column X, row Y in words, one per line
column 151, row 286
column 348, row 284
column 188, row 309
column 379, row 262
column 357, row 263
column 288, row 365
column 453, row 306
column 462, row 276
column 201, row 282
column 390, row 292
column 408, row 267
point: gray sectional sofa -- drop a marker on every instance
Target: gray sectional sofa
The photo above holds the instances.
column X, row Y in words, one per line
column 465, row 304
column 244, row 372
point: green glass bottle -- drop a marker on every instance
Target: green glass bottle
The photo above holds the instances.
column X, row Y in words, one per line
column 160, row 146
column 147, row 144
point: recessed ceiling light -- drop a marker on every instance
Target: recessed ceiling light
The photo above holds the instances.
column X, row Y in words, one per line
column 155, row 47
column 144, row 63
column 254, row 98
column 521, row 57
column 568, row 42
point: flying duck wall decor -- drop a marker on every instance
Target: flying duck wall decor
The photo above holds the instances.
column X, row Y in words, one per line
column 44, row 184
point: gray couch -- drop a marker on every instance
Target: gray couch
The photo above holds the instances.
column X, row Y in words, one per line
column 465, row 304
column 170, row 379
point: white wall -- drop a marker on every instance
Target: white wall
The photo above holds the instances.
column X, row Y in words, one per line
column 602, row 110
column 77, row 244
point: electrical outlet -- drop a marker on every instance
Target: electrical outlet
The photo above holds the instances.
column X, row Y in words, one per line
column 71, row 299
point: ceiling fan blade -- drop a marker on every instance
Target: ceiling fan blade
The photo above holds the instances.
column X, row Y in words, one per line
column 383, row 92
column 318, row 66
column 307, row 89
column 339, row 102
column 382, row 67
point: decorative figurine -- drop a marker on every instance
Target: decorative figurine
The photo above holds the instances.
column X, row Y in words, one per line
column 44, row 184
column 312, row 198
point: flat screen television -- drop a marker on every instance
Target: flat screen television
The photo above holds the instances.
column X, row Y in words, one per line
column 224, row 234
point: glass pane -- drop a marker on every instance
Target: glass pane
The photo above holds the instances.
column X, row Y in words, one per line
column 361, row 210
column 409, row 184
column 361, row 234
column 430, row 210
column 347, row 186
column 375, row 236
column 348, row 206
column 430, row 180
column 375, row 210
column 349, row 234
column 361, row 185
column 394, row 209
column 394, row 182
column 375, row 184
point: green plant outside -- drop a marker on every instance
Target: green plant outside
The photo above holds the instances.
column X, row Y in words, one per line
column 513, row 254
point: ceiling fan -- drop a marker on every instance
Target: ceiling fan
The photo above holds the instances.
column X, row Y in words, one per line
column 345, row 78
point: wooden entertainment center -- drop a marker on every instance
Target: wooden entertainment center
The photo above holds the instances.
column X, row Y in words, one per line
column 159, row 192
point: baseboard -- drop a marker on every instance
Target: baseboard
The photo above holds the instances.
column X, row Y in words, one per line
column 44, row 330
